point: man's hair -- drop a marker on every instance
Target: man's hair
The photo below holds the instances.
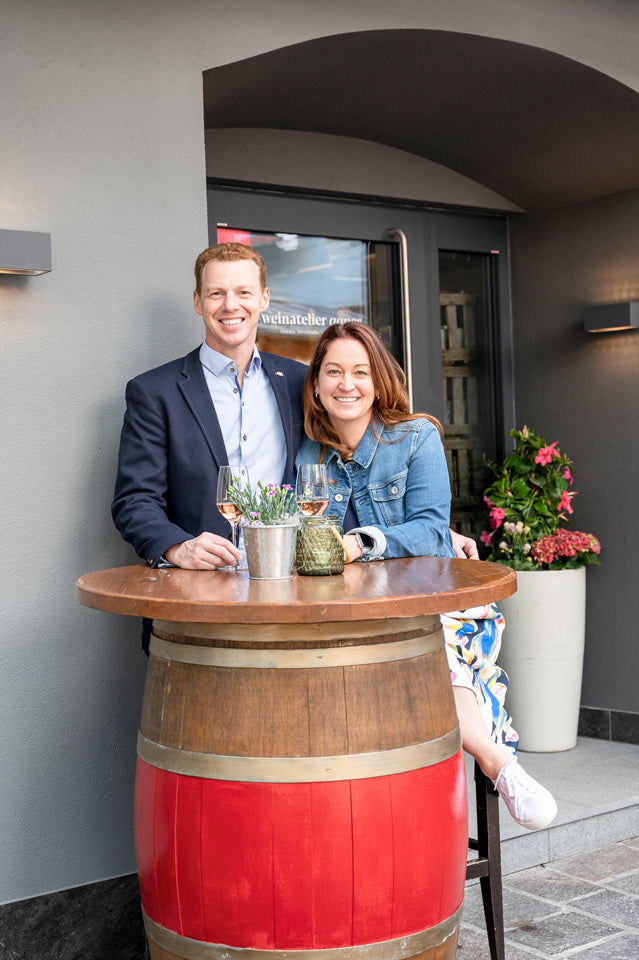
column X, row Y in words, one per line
column 226, row 253
column 389, row 381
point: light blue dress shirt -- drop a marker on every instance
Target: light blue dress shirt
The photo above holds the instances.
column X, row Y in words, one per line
column 249, row 415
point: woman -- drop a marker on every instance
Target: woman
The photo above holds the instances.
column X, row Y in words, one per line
column 389, row 486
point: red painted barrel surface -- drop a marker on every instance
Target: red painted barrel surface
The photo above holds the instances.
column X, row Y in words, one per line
column 301, row 866
column 301, row 795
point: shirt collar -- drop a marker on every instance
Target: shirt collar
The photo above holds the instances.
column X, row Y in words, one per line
column 218, row 363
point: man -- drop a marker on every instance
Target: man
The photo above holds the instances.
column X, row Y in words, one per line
column 222, row 403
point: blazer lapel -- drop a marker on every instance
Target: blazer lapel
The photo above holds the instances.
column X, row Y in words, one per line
column 277, row 376
column 196, row 393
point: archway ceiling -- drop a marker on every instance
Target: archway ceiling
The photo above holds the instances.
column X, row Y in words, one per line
column 539, row 129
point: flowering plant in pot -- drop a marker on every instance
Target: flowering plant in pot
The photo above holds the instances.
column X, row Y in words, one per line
column 269, row 524
column 529, row 498
column 268, row 506
column 543, row 645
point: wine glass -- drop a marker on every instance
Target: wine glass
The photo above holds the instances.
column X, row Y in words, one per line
column 227, row 478
column 311, row 490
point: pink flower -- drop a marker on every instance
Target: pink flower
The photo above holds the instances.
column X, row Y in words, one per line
column 488, row 502
column 486, row 537
column 593, row 544
column 545, row 454
column 567, row 475
column 496, row 517
column 564, row 503
column 564, row 544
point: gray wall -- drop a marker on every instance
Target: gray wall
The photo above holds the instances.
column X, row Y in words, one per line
column 582, row 389
column 103, row 146
column 100, row 119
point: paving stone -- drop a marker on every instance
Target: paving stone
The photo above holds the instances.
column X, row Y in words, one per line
column 615, row 907
column 518, row 908
column 563, row 931
column 628, row 884
column 473, row 945
column 625, row 947
column 600, row 864
column 545, row 882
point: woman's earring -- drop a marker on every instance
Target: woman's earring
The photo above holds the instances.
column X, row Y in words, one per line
column 317, row 396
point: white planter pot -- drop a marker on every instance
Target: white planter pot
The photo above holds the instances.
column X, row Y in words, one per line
column 542, row 652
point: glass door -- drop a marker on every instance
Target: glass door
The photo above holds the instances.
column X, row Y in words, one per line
column 433, row 284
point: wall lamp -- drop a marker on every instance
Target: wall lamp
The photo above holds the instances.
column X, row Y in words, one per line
column 612, row 316
column 25, row 252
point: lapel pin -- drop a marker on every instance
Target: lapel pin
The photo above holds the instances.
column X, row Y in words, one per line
column 278, row 373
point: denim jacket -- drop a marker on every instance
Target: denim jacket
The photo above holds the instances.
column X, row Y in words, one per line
column 400, row 489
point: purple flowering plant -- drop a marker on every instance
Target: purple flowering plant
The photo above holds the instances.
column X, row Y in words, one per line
column 267, row 506
column 529, row 498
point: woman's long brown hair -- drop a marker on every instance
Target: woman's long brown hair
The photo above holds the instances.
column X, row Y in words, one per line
column 391, row 403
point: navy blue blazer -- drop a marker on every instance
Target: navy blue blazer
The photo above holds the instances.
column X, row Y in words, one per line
column 171, row 447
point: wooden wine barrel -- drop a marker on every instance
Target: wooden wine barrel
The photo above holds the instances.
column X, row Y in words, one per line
column 300, row 792
column 300, row 789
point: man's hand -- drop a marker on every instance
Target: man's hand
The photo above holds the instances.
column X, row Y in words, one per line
column 205, row 552
column 465, row 547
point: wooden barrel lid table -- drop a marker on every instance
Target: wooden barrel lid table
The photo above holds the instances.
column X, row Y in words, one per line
column 300, row 787
column 365, row 591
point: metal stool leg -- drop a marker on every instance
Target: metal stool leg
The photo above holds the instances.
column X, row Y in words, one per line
column 487, row 867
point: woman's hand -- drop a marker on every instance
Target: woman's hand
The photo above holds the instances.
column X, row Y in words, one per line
column 353, row 550
column 465, row 547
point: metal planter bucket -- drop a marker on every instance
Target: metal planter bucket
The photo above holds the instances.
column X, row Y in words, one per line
column 270, row 551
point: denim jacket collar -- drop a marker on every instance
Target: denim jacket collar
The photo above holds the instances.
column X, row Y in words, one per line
column 366, row 447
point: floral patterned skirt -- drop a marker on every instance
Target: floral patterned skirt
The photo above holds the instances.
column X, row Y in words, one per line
column 473, row 641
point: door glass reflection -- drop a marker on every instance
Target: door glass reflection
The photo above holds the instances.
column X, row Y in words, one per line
column 318, row 281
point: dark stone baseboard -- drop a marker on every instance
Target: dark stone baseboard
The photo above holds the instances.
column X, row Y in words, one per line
column 100, row 921
column 609, row 724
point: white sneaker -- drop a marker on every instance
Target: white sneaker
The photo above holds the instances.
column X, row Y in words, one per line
column 530, row 804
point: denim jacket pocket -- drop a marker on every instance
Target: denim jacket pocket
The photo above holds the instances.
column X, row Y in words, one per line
column 389, row 498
